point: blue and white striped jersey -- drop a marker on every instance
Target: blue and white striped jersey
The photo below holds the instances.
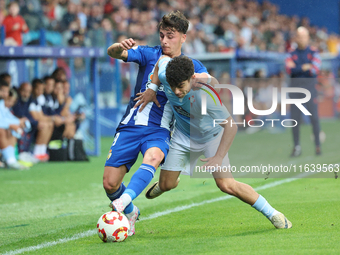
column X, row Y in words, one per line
column 152, row 115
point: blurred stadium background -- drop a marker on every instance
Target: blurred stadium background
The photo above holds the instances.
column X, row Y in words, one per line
column 235, row 40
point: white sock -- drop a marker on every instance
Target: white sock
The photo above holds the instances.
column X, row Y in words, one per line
column 129, row 215
column 43, row 149
column 36, row 150
column 273, row 214
column 126, row 199
column 11, row 160
column 39, row 149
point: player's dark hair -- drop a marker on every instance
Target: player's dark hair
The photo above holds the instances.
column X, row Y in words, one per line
column 57, row 72
column 47, row 77
column 3, row 83
column 36, row 82
column 58, row 81
column 179, row 69
column 174, row 21
column 4, row 76
column 12, row 3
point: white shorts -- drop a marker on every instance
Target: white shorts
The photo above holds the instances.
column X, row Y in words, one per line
column 183, row 153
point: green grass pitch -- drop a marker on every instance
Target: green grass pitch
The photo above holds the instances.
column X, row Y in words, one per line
column 54, row 207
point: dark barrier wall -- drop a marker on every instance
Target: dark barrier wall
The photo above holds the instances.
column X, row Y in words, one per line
column 321, row 13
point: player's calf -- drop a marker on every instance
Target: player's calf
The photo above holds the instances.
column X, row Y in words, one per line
column 155, row 190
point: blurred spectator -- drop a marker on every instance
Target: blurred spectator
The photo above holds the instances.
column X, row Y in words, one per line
column 32, row 12
column 82, row 12
column 62, row 107
column 248, row 25
column 7, row 78
column 3, row 11
column 20, row 109
column 14, row 25
column 45, row 123
column 49, row 108
column 95, row 18
column 69, row 17
column 78, row 38
column 54, row 13
column 7, row 126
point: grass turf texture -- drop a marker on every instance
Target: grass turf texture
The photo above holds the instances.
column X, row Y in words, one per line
column 58, row 200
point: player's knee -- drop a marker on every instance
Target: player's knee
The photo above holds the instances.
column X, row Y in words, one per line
column 227, row 186
column 153, row 158
column 110, row 186
column 50, row 126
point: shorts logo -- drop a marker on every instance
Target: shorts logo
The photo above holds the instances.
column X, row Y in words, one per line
column 109, row 155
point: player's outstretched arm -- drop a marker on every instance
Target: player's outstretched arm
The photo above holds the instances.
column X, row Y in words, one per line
column 228, row 136
column 120, row 50
column 203, row 78
column 150, row 93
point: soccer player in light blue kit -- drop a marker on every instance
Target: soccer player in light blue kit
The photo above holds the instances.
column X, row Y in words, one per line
column 9, row 124
column 145, row 130
column 196, row 135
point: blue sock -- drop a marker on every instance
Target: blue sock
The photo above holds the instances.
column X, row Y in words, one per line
column 117, row 194
column 140, row 180
column 264, row 207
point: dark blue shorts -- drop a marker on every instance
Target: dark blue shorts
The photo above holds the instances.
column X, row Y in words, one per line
column 131, row 140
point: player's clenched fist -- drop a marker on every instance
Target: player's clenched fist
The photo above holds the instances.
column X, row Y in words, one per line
column 120, row 50
column 127, row 44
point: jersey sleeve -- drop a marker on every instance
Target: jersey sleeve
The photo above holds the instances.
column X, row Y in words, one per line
column 33, row 107
column 10, row 118
column 297, row 70
column 199, row 67
column 162, row 64
column 138, row 55
column 3, row 122
column 316, row 64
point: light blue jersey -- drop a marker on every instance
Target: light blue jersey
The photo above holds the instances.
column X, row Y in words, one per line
column 7, row 118
column 189, row 119
column 152, row 115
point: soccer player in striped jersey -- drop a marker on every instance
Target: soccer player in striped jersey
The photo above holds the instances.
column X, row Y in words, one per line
column 145, row 130
column 195, row 135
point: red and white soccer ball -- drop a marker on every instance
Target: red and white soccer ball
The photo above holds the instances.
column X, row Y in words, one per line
column 113, row 227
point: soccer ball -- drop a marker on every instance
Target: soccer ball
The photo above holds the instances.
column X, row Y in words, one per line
column 113, row 227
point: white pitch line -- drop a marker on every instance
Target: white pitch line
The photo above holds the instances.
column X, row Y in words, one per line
column 150, row 217
column 49, row 244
